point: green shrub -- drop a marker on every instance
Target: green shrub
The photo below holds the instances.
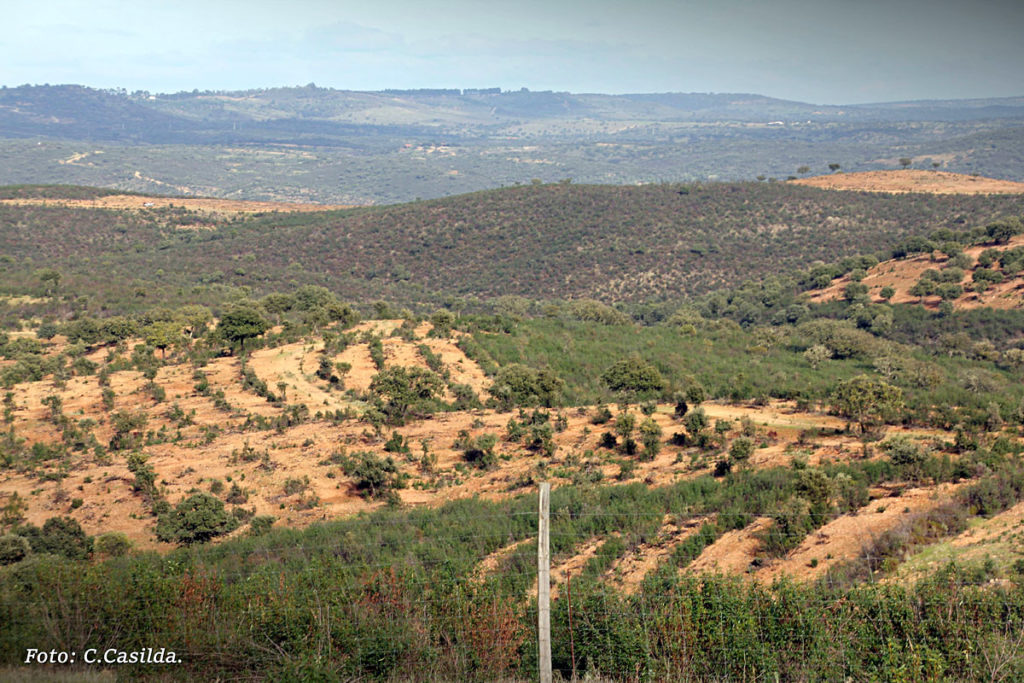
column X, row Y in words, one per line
column 633, row 377
column 260, row 524
column 62, row 536
column 293, row 486
column 13, row 549
column 741, row 449
column 480, row 451
column 374, row 476
column 519, row 385
column 196, row 519
column 113, row 544
column 650, row 436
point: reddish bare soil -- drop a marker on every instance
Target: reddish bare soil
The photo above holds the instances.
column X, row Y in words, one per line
column 930, row 182
column 903, row 274
column 213, row 206
column 294, row 366
column 733, row 551
column 198, row 442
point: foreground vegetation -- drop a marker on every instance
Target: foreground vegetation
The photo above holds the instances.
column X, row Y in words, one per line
column 395, row 594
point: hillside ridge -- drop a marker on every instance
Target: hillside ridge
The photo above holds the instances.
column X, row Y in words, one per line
column 554, row 241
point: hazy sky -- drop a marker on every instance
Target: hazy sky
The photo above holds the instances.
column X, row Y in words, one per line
column 822, row 51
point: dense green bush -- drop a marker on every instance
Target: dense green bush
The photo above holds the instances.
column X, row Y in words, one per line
column 373, row 476
column 196, row 519
column 62, row 536
column 13, row 549
column 112, row 544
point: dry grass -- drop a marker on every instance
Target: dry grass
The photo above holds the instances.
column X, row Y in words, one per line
column 929, row 182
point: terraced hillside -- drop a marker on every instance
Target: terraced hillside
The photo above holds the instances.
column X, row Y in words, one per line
column 275, row 434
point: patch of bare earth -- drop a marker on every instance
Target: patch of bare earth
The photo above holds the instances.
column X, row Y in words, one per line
column 989, row 530
column 293, row 366
column 226, row 374
column 999, row 540
column 397, row 351
column 909, row 180
column 844, row 537
column 733, row 551
column 212, row 206
column 463, row 370
column 362, row 367
column 628, row 572
column 563, row 569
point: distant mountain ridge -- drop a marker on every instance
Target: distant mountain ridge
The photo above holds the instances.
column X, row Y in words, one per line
column 312, row 144
column 318, row 115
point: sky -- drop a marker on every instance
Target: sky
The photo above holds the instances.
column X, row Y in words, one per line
column 820, row 51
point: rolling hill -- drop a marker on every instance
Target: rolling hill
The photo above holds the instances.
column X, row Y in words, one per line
column 561, row 241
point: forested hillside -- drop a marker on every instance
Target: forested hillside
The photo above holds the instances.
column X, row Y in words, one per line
column 561, row 241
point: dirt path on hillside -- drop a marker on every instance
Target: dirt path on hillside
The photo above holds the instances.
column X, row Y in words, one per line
column 732, row 552
column 628, row 572
column 843, row 538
